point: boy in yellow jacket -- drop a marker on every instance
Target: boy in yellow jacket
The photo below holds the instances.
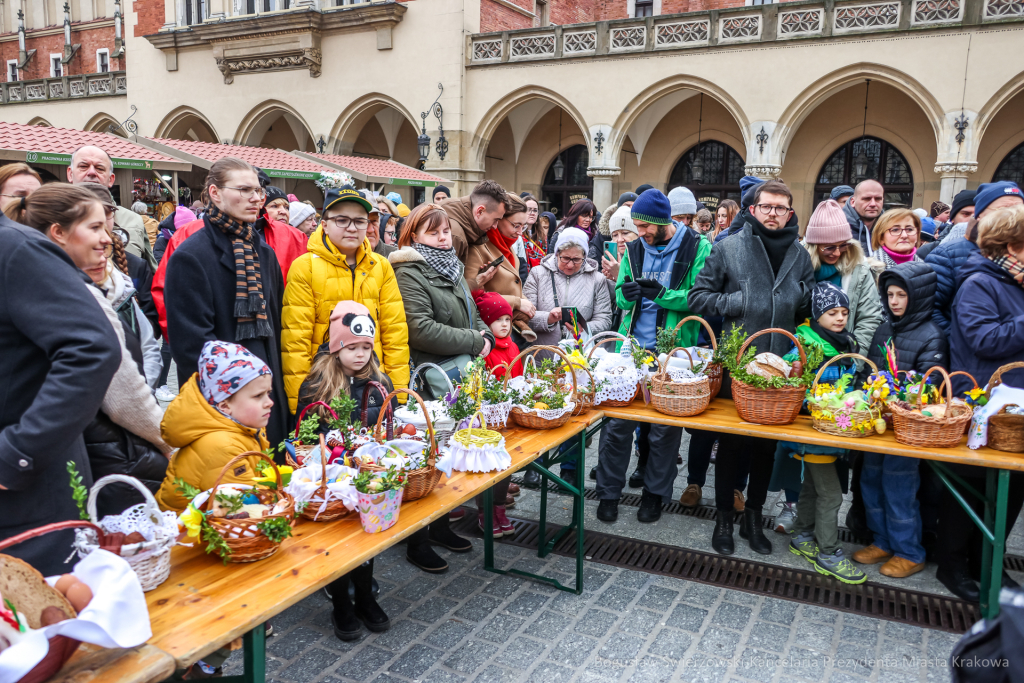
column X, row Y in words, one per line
column 221, row 412
column 340, row 266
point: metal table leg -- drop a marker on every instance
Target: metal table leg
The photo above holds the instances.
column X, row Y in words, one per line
column 254, row 656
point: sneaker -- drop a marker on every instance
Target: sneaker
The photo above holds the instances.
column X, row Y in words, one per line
column 838, row 567
column 784, row 520
column 164, row 394
column 803, row 544
column 496, row 532
column 691, row 496
column 201, row 671
column 738, row 504
column 501, row 521
column 608, row 510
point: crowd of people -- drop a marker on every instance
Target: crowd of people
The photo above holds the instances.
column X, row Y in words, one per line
column 267, row 304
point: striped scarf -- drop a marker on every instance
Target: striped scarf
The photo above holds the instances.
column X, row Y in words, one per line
column 250, row 307
column 1012, row 266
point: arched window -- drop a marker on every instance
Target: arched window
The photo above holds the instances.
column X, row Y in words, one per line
column 723, row 168
column 1011, row 167
column 864, row 159
column 574, row 185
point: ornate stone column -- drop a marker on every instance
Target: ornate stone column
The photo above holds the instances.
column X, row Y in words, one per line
column 603, row 176
column 763, row 170
column 953, row 177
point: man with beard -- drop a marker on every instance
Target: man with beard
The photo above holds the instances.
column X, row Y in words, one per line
column 655, row 277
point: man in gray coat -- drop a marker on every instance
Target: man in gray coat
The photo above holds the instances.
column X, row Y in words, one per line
column 759, row 278
column 864, row 207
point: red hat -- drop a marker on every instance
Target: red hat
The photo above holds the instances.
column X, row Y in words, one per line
column 491, row 305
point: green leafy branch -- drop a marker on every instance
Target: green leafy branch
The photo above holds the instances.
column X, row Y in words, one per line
column 186, row 489
column 730, row 348
column 275, row 528
column 78, row 490
column 309, row 429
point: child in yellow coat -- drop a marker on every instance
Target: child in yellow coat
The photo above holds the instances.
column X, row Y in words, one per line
column 221, row 412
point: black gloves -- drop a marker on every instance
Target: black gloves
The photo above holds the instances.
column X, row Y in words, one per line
column 650, row 289
column 631, row 290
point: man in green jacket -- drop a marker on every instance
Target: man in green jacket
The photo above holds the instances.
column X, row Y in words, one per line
column 654, row 281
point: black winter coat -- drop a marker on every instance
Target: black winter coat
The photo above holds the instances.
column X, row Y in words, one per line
column 200, row 299
column 166, row 231
column 58, row 354
column 374, row 403
column 142, row 279
column 114, row 450
column 919, row 342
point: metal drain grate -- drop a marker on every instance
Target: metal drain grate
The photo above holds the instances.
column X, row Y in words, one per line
column 808, row 587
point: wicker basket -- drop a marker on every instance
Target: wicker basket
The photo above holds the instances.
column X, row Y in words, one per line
column 826, row 423
column 584, row 399
column 713, row 370
column 150, row 560
column 335, row 508
column 1005, row 430
column 768, row 406
column 419, row 483
column 257, row 546
column 967, row 427
column 531, row 420
column 679, row 399
column 442, row 435
column 914, row 429
column 617, row 337
column 301, row 449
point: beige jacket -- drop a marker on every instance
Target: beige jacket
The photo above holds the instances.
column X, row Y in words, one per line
column 505, row 282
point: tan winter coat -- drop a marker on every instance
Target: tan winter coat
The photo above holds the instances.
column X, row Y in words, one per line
column 505, row 282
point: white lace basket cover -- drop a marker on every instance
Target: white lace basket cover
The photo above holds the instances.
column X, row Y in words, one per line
column 619, row 374
column 151, row 559
column 305, row 486
column 496, row 414
column 521, row 383
column 404, row 454
column 444, row 426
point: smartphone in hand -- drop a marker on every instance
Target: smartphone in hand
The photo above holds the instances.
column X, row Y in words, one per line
column 493, row 264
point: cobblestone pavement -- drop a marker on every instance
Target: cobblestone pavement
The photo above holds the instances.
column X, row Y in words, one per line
column 472, row 625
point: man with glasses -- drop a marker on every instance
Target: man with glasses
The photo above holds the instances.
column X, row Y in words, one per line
column 90, row 164
column 655, row 277
column 341, row 266
column 761, row 277
column 863, row 209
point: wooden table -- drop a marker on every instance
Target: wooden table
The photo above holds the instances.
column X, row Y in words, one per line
column 721, row 416
column 206, row 604
column 94, row 664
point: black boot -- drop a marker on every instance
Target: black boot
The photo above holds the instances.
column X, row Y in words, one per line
column 441, row 533
column 636, row 480
column 346, row 624
column 959, row 582
column 650, row 507
column 531, row 480
column 593, row 472
column 419, row 553
column 752, row 529
column 366, row 608
column 608, row 510
column 721, row 539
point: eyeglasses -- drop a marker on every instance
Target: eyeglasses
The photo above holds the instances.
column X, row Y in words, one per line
column 344, row 222
column 897, row 231
column 566, row 260
column 772, row 210
column 831, row 249
column 249, row 192
column 518, row 226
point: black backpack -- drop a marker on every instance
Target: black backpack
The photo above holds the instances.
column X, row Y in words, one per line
column 991, row 651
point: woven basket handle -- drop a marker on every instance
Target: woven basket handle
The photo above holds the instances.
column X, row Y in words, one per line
column 777, row 330
column 323, row 468
column 416, row 374
column 592, row 342
column 47, row 528
column 483, row 420
column 152, row 509
column 702, row 321
column 833, row 359
column 565, row 359
column 426, row 415
column 946, row 382
column 305, row 410
column 385, row 410
column 965, row 374
column 663, row 367
column 238, row 458
column 997, row 376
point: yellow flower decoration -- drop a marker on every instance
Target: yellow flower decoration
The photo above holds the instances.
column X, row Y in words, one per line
column 268, row 478
column 976, row 393
column 192, row 519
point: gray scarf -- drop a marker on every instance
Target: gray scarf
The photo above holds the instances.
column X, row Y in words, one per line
column 444, row 261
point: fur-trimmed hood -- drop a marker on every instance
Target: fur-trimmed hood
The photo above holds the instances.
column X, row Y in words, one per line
column 405, row 255
column 604, row 225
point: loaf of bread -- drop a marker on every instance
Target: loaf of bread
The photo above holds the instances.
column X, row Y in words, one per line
column 28, row 591
column 768, row 365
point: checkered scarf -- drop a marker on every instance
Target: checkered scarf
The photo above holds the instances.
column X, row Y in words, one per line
column 444, row 261
column 250, row 307
column 1012, row 266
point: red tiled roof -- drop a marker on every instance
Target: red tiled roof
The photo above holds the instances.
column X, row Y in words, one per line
column 257, row 156
column 380, row 168
column 48, row 140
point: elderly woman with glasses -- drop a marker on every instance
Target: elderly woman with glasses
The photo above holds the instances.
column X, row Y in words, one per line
column 896, row 237
column 568, row 279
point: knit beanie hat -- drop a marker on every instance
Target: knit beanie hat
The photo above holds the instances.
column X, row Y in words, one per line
column 622, row 220
column 962, row 200
column 224, row 368
column 274, row 193
column 840, row 191
column 403, row 210
column 440, row 188
column 828, row 224
column 937, row 208
column 572, row 237
column 643, row 188
column 351, row 322
column 292, row 198
column 928, row 225
column 825, row 296
column 182, row 216
column 682, row 201
column 989, row 192
column 298, row 212
column 627, row 197
column 748, row 185
column 395, row 198
column 492, row 305
column 652, row 207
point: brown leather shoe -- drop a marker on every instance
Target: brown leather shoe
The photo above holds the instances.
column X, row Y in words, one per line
column 513, row 489
column 901, row 567
column 510, row 502
column 737, row 501
column 691, row 496
column 871, row 554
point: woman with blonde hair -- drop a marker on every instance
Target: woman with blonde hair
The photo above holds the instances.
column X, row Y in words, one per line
column 896, row 237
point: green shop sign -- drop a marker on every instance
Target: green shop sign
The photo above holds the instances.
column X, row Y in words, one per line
column 296, row 175
column 65, row 160
column 412, row 183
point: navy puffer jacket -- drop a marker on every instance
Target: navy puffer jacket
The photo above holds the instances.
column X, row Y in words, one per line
column 946, row 260
column 919, row 342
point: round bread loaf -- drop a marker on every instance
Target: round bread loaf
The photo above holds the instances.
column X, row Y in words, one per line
column 28, row 591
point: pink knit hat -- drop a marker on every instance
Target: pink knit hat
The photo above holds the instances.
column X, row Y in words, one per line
column 182, row 216
column 828, row 225
column 351, row 323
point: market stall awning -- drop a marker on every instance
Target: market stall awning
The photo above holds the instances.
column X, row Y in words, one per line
column 274, row 162
column 47, row 145
column 376, row 170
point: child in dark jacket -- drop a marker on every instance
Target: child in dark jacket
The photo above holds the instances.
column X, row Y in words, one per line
column 889, row 483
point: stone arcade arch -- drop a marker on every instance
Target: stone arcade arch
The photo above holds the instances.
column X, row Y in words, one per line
column 275, row 125
column 186, row 123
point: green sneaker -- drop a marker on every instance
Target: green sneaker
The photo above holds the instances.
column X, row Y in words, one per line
column 804, row 545
column 838, row 567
